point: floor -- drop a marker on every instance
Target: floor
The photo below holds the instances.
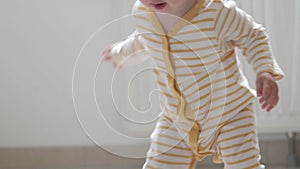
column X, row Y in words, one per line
column 93, row 157
column 270, row 167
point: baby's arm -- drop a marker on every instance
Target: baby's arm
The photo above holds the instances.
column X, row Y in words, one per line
column 127, row 52
column 240, row 30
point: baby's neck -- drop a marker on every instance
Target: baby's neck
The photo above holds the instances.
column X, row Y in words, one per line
column 169, row 20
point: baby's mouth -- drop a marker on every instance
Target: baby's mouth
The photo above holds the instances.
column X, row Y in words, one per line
column 160, row 6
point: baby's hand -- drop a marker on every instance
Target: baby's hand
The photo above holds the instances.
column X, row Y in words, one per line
column 107, row 56
column 267, row 89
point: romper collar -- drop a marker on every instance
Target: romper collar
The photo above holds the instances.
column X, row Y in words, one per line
column 186, row 19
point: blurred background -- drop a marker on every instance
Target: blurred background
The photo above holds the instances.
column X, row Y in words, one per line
column 62, row 107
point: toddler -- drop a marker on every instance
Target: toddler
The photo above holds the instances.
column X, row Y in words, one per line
column 207, row 105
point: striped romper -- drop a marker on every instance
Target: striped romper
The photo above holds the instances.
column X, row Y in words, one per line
column 206, row 101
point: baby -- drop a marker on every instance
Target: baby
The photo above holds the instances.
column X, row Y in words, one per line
column 207, row 105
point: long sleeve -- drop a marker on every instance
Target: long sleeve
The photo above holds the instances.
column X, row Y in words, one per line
column 236, row 28
column 129, row 51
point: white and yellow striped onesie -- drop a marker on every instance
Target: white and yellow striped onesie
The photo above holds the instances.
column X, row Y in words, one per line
column 206, row 102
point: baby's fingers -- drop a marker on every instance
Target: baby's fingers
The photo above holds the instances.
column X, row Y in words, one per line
column 106, row 54
column 273, row 103
column 265, row 93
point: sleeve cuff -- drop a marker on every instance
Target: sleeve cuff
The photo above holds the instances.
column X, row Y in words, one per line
column 276, row 73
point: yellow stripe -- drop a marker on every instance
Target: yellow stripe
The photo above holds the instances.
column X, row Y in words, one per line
column 258, row 52
column 169, row 112
column 152, row 40
column 233, row 64
column 206, row 76
column 201, row 97
column 173, row 105
column 226, row 78
column 235, row 120
column 241, row 161
column 225, row 87
column 192, row 84
column 159, row 50
column 197, row 58
column 246, row 34
column 185, row 41
column 242, row 30
column 262, row 65
column 188, row 74
column 203, row 20
column 141, row 17
column 166, row 128
column 202, row 106
column 142, row 8
column 169, row 137
column 171, row 154
column 206, row 85
column 194, row 49
column 199, row 65
column 231, row 23
column 252, row 166
column 237, row 25
column 220, row 97
column 227, row 112
column 238, row 127
column 255, row 41
column 262, row 58
column 169, row 162
column 227, row 103
column 223, row 24
column 161, row 83
column 195, row 31
column 156, row 71
column 188, row 59
column 167, row 118
column 150, row 167
column 167, row 94
column 240, row 152
column 207, row 29
column 228, row 56
column 207, row 103
column 238, row 145
column 209, row 10
column 225, row 123
column 227, row 94
column 218, row 16
column 236, row 136
column 171, row 146
column 145, row 28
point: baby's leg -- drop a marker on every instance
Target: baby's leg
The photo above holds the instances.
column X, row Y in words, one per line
column 168, row 150
column 238, row 143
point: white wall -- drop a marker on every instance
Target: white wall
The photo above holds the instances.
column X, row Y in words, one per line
column 39, row 43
